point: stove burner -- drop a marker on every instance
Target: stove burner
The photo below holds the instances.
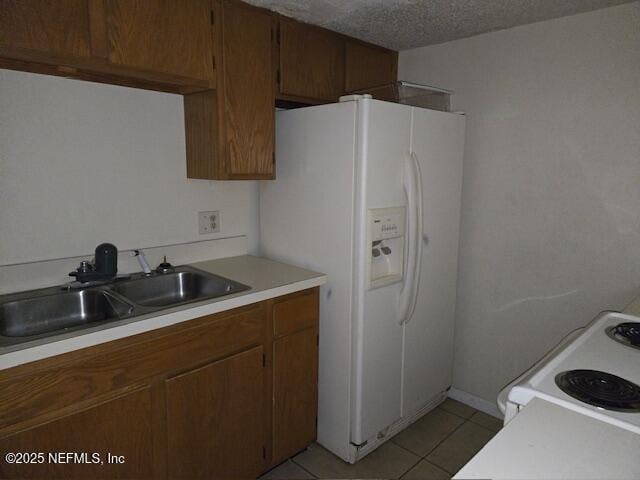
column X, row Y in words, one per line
column 600, row 389
column 627, row 333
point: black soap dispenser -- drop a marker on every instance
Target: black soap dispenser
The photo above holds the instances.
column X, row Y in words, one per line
column 106, row 258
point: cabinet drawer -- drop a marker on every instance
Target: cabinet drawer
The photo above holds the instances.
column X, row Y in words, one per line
column 295, row 313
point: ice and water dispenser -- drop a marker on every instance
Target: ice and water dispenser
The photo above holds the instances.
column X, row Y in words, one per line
column 385, row 242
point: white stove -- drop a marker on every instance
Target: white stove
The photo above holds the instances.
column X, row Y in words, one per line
column 594, row 371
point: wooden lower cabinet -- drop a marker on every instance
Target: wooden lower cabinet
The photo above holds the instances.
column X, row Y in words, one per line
column 215, row 419
column 295, row 373
column 218, row 397
column 295, row 392
column 121, row 427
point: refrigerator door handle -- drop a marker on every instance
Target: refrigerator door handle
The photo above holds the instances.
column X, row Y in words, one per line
column 419, row 235
column 412, row 182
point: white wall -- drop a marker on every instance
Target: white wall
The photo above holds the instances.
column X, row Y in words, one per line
column 83, row 163
column 551, row 198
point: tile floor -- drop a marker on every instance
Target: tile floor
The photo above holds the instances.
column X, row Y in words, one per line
column 435, row 447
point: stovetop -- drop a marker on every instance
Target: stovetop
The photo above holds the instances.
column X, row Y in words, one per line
column 627, row 333
column 593, row 351
column 600, row 389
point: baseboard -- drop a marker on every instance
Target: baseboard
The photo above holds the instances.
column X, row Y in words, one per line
column 490, row 408
column 360, row 452
column 353, row 453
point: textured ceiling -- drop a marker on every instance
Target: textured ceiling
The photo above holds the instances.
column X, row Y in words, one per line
column 404, row 24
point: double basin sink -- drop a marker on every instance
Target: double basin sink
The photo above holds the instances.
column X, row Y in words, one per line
column 50, row 311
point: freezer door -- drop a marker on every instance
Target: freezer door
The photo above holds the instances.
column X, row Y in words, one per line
column 382, row 154
column 438, row 144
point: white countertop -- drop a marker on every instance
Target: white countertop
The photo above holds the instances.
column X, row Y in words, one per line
column 267, row 279
column 546, row 441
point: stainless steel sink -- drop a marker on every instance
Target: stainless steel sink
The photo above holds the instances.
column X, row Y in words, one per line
column 169, row 289
column 26, row 316
column 34, row 316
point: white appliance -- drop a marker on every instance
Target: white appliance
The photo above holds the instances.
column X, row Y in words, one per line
column 546, row 441
column 604, row 358
column 368, row 192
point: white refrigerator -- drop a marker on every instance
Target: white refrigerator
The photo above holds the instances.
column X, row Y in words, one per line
column 368, row 192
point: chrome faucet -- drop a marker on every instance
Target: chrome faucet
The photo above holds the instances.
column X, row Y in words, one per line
column 139, row 254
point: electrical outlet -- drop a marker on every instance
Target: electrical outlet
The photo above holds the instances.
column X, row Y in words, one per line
column 208, row 222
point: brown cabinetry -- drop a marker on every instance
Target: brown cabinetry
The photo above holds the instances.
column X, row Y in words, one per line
column 368, row 66
column 121, row 427
column 215, row 418
column 154, row 44
column 231, row 61
column 295, row 378
column 295, row 391
column 311, row 61
column 42, row 26
column 213, row 398
column 249, row 91
column 161, row 36
column 230, row 133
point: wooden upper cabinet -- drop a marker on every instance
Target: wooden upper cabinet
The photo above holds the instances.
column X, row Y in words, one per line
column 368, row 66
column 59, row 27
column 163, row 45
column 249, row 91
column 311, row 61
column 167, row 36
column 215, row 419
column 230, row 132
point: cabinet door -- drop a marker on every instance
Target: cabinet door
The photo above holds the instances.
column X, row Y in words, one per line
column 295, row 391
column 161, row 36
column 121, row 426
column 311, row 61
column 368, row 66
column 58, row 27
column 215, row 419
column 249, row 91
